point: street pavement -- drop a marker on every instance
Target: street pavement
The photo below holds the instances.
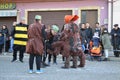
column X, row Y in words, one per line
column 94, row 70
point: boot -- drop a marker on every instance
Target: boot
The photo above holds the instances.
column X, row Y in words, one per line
column 73, row 67
column 45, row 64
column 81, row 66
column 63, row 67
column 105, row 59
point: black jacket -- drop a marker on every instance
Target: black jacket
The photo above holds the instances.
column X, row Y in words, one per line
column 89, row 34
column 115, row 39
column 83, row 36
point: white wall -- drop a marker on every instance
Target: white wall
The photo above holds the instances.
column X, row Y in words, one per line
column 116, row 12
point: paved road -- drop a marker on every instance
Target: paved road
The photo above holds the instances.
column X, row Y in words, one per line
column 93, row 70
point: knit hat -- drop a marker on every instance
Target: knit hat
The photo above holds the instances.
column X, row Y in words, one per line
column 55, row 28
column 38, row 17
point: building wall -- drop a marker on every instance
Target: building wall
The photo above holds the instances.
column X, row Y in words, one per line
column 116, row 12
column 75, row 5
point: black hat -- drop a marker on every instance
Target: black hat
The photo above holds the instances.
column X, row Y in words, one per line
column 115, row 25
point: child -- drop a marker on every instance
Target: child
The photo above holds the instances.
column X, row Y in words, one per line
column 96, row 39
column 106, row 43
column 1, row 42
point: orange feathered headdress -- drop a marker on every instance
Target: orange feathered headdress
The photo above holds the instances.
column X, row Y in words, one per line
column 69, row 18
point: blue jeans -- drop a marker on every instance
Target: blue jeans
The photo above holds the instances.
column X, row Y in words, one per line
column 11, row 45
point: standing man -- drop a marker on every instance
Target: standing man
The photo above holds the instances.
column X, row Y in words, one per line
column 35, row 44
column 97, row 28
column 83, row 35
column 20, row 39
column 115, row 33
column 89, row 32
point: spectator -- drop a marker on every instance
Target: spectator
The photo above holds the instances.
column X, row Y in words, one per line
column 83, row 35
column 97, row 28
column 88, row 32
column 115, row 33
column 96, row 39
column 5, row 32
column 1, row 42
column 106, row 43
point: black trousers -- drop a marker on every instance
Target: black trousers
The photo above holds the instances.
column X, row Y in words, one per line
column 31, row 61
column 54, row 58
column 7, row 46
column 21, row 50
column 44, row 57
column 1, row 47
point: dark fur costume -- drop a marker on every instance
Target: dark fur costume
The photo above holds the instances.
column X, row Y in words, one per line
column 63, row 46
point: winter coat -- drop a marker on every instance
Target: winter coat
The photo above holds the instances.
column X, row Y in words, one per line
column 106, row 41
column 115, row 39
column 6, row 32
column 83, row 36
column 89, row 34
column 50, row 39
column 35, row 39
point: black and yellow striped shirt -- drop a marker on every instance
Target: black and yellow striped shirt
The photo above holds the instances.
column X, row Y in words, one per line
column 20, row 34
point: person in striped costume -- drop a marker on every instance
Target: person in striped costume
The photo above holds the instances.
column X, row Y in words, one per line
column 20, row 40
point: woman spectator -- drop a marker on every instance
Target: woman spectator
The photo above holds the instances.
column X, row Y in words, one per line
column 5, row 32
column 1, row 42
column 83, row 35
column 106, row 43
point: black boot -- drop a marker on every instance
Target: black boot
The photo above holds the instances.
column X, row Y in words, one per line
column 105, row 59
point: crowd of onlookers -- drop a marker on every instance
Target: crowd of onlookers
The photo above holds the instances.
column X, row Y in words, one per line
column 6, row 39
column 101, row 35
